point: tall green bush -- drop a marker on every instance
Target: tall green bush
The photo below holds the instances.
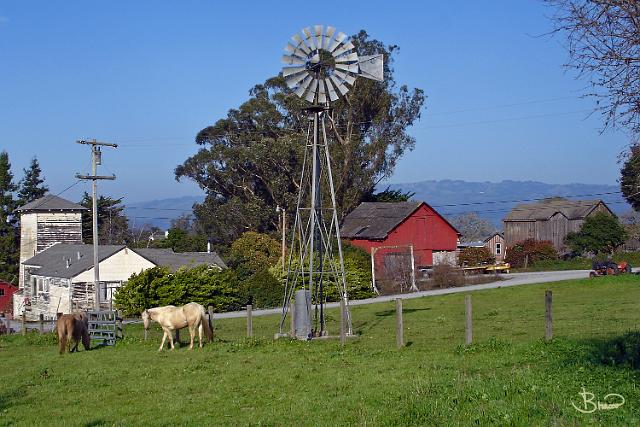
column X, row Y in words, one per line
column 158, row 287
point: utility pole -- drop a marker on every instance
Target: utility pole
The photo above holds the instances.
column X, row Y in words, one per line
column 284, row 227
column 96, row 159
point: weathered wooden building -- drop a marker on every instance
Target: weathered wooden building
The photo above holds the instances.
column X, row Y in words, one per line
column 549, row 220
column 494, row 243
column 45, row 222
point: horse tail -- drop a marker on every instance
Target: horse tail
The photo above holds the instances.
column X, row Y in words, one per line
column 62, row 335
column 206, row 323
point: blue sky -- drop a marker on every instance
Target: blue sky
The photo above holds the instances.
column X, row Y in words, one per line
column 149, row 75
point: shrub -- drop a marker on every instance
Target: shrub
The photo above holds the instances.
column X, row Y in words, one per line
column 253, row 252
column 529, row 251
column 600, row 233
column 158, row 287
column 262, row 290
column 446, row 276
column 475, row 256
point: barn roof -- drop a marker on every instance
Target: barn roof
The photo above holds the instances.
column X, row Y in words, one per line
column 375, row 220
column 175, row 260
column 53, row 260
column 572, row 209
column 51, row 203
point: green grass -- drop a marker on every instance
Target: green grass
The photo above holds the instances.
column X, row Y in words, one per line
column 578, row 263
column 509, row 376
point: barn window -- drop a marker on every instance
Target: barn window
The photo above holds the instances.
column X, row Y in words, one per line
column 1, row 292
column 498, row 248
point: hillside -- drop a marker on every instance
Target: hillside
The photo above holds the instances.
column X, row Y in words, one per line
column 491, row 200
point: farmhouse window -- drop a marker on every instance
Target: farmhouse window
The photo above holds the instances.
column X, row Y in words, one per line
column 498, row 248
column 34, row 286
column 40, row 285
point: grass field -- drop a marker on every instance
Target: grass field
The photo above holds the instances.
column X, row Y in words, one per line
column 510, row 376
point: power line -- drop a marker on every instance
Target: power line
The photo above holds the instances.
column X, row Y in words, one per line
column 525, row 200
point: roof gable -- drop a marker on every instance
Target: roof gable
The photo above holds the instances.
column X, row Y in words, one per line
column 51, row 203
column 572, row 209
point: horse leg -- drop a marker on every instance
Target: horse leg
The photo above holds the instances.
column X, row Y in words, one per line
column 200, row 330
column 164, row 337
column 192, row 334
column 170, row 339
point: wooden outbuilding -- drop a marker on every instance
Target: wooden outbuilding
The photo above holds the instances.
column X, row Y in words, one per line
column 550, row 219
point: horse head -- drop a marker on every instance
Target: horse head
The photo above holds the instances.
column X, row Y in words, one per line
column 146, row 319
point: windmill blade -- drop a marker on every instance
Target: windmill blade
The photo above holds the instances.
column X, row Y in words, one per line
column 311, row 94
column 351, row 57
column 299, row 43
column 339, row 38
column 299, row 53
column 342, row 88
column 333, row 96
column 292, row 60
column 344, row 76
column 352, row 68
column 372, row 67
column 322, row 97
column 309, row 38
column 315, row 58
column 328, row 36
column 288, row 71
column 318, row 29
column 303, row 86
column 292, row 81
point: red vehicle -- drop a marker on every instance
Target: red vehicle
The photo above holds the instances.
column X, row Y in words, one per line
column 609, row 268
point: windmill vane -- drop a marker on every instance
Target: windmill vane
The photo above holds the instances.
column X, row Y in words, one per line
column 322, row 65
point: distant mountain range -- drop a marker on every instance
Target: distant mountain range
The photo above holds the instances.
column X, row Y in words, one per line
column 490, row 200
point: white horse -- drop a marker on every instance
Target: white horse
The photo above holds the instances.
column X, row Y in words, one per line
column 172, row 318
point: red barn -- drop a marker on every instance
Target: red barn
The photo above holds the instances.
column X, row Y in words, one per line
column 6, row 296
column 403, row 224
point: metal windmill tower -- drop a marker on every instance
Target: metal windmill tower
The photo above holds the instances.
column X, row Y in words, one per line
column 321, row 65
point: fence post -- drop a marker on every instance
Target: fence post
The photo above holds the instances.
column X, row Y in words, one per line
column 23, row 322
column 292, row 316
column 548, row 331
column 41, row 318
column 119, row 324
column 343, row 322
column 210, row 312
column 468, row 320
column 249, row 321
column 399, row 325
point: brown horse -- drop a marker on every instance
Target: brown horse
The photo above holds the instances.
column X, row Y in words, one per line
column 73, row 327
column 173, row 318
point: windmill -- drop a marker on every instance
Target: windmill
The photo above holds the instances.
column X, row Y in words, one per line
column 321, row 67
